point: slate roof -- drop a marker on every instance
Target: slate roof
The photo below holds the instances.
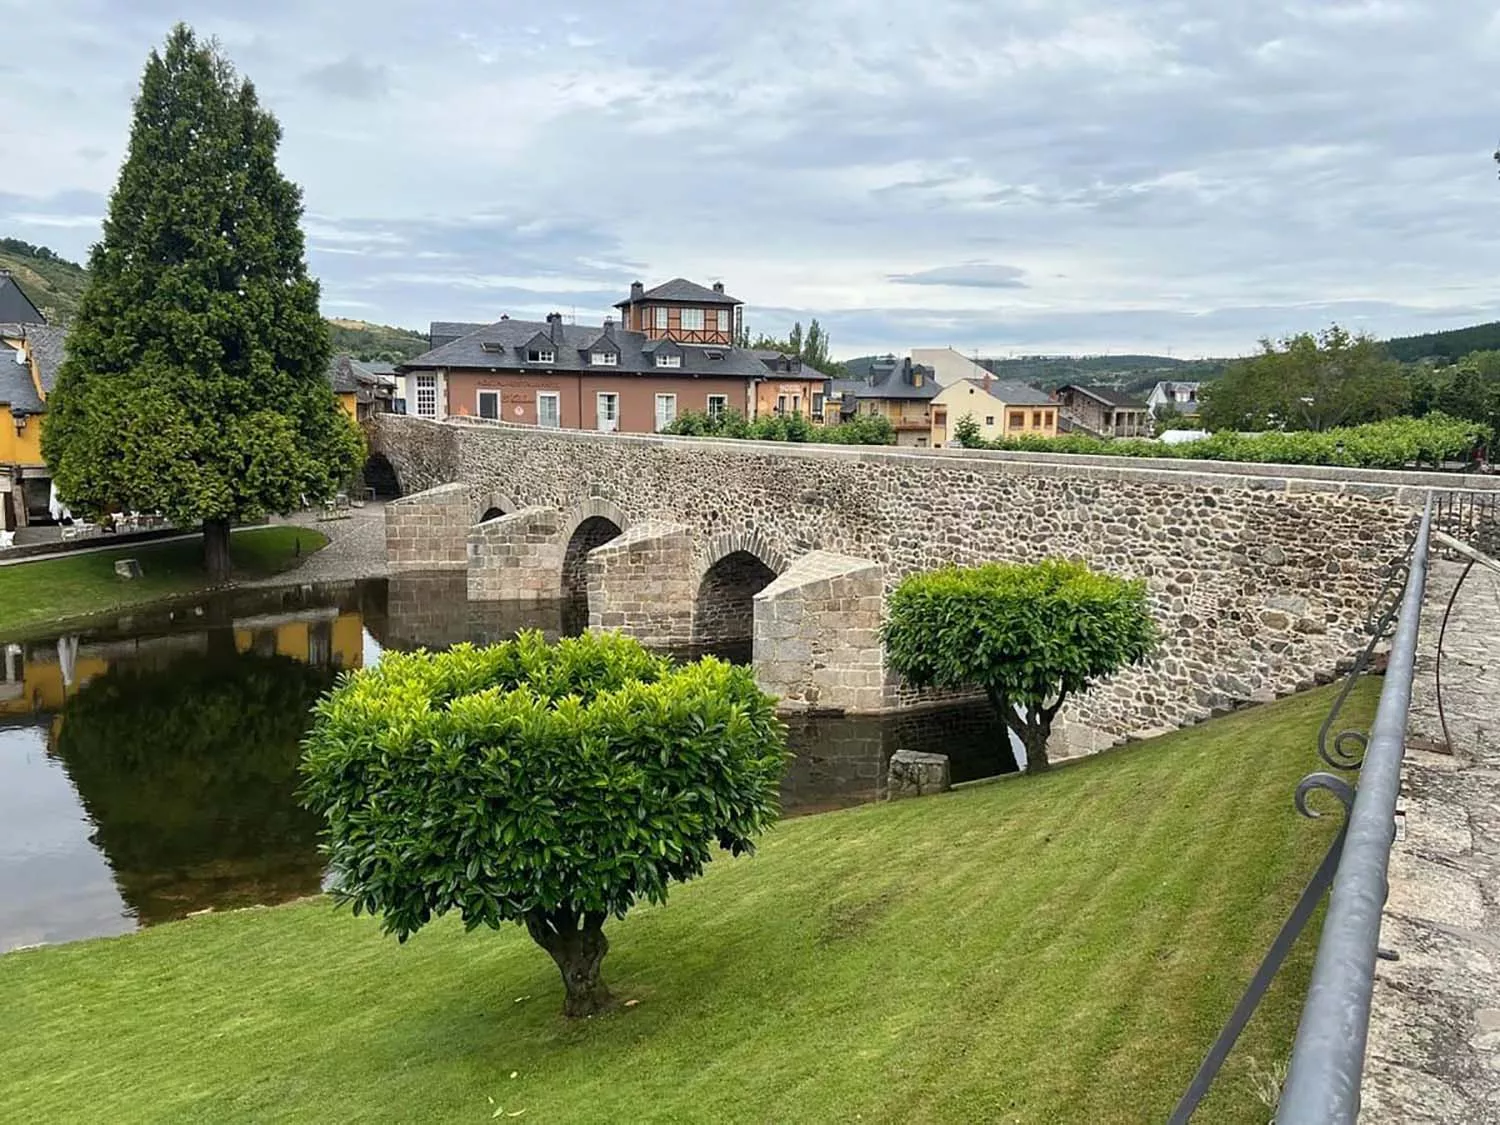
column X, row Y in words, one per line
column 1107, row 395
column 1020, row 394
column 885, row 377
column 681, row 289
column 348, row 375
column 15, row 306
column 441, row 332
column 16, row 388
column 507, row 352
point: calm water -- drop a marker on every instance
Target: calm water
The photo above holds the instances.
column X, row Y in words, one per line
column 148, row 763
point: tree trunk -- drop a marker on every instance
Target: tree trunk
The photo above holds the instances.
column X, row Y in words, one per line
column 1035, row 741
column 578, row 945
column 1032, row 727
column 216, row 550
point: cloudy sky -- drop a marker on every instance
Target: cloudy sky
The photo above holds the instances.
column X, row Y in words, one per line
column 1006, row 176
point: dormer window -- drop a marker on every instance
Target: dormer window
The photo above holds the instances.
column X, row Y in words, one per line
column 540, row 355
column 692, row 320
column 668, row 361
column 660, row 313
column 604, row 359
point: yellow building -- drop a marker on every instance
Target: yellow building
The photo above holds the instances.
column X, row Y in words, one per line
column 999, row 409
column 30, row 355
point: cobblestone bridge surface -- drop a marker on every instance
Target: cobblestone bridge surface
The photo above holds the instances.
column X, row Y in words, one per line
column 1434, row 1047
column 1260, row 578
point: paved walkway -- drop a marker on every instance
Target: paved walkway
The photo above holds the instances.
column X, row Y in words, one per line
column 1434, row 1048
column 356, row 548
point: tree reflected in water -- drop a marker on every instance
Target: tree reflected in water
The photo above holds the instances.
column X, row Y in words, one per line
column 189, row 773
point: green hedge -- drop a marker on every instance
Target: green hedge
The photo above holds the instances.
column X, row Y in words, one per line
column 863, row 430
column 1391, row 444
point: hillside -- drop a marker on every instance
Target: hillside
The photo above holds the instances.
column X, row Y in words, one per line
column 1452, row 344
column 55, row 285
column 1132, row 373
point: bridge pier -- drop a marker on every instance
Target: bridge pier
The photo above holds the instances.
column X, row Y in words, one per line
column 516, row 557
column 641, row 584
column 429, row 530
column 817, row 635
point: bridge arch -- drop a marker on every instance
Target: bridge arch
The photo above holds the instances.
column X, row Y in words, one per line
column 591, row 524
column 731, row 569
column 493, row 505
column 380, row 477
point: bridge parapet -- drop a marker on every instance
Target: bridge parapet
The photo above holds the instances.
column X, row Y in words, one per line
column 429, row 530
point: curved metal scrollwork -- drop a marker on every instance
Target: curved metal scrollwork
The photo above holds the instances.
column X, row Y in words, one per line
column 1347, row 751
column 1328, row 782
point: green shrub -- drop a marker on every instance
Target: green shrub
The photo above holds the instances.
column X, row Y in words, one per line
column 1391, row 444
column 863, row 430
column 1030, row 635
column 553, row 786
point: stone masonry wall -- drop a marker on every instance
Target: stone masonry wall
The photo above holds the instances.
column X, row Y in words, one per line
column 817, row 640
column 430, row 530
column 516, row 557
column 1260, row 575
column 642, row 584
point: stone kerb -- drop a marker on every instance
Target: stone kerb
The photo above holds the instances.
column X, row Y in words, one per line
column 517, row 557
column 817, row 635
column 428, row 530
column 642, row 583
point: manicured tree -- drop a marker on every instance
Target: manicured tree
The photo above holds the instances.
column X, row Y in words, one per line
column 553, row 786
column 195, row 376
column 1030, row 635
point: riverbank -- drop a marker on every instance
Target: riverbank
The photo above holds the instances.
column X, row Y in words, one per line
column 79, row 584
column 1058, row 948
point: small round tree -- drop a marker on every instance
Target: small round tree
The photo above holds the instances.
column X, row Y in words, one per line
column 1030, row 635
column 552, row 786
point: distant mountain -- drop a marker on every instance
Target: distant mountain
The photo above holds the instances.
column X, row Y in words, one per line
column 1130, row 373
column 55, row 286
column 1452, row 344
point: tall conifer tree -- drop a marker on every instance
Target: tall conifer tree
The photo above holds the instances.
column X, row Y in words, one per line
column 195, row 376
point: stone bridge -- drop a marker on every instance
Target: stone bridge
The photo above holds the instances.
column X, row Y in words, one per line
column 1260, row 575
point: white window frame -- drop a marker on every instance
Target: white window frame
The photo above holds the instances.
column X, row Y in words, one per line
column 607, row 425
column 479, row 404
column 723, row 320
column 556, row 398
column 718, row 405
column 604, row 359
column 691, row 320
column 540, row 355
column 659, row 316
column 668, row 360
column 426, row 395
column 665, row 418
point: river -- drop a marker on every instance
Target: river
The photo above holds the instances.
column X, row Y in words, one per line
column 148, row 761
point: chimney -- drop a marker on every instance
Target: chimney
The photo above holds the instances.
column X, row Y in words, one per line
column 609, row 328
column 505, row 316
column 987, row 381
column 718, row 287
column 637, row 290
column 554, row 322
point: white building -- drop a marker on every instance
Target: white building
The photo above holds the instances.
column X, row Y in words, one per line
column 1183, row 396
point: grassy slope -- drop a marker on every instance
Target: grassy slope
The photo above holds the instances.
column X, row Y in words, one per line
column 54, row 589
column 1054, row 949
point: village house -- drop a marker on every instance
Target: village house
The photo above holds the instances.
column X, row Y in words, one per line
column 883, row 386
column 31, row 351
column 1000, row 409
column 672, row 352
column 363, row 387
column 1102, row 411
column 1182, row 397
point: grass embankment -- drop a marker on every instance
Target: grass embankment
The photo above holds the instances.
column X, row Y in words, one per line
column 57, row 589
column 1052, row 949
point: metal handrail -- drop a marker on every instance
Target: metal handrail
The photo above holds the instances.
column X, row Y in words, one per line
column 1323, row 1080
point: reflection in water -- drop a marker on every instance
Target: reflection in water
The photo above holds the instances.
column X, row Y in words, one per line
column 148, row 764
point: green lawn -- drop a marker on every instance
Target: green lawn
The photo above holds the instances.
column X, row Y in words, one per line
column 1051, row 949
column 56, row 589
